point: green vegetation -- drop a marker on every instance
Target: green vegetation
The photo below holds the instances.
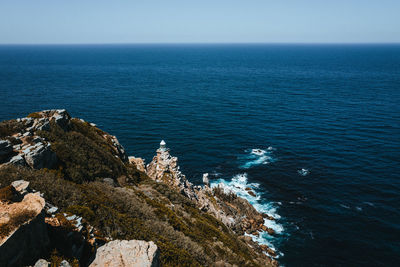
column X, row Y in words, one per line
column 15, row 221
column 185, row 235
column 35, row 115
column 141, row 209
column 84, row 154
column 8, row 128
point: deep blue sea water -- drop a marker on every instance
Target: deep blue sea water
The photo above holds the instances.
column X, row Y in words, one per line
column 333, row 110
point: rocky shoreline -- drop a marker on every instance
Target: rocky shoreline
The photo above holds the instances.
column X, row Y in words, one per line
column 32, row 143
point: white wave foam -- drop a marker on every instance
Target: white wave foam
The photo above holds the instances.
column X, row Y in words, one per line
column 344, row 206
column 369, row 203
column 256, row 156
column 238, row 185
column 303, row 172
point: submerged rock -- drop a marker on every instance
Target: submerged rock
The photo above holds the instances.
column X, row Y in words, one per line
column 133, row 253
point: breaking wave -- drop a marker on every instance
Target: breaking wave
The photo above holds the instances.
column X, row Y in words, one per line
column 240, row 186
column 256, row 156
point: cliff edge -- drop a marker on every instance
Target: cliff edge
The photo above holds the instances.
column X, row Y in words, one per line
column 101, row 207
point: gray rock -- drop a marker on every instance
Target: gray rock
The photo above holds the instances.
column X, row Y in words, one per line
column 21, row 186
column 127, row 253
column 28, row 121
column 5, row 149
column 109, row 181
column 40, row 156
column 44, row 127
column 52, row 210
column 41, row 263
column 65, row 263
column 29, row 241
column 62, row 118
column 17, row 160
column 37, row 139
column 17, row 147
column 120, row 149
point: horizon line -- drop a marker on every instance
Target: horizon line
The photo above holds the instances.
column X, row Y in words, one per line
column 208, row 43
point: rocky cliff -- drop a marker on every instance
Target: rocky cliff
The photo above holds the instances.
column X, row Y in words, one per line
column 23, row 234
column 104, row 208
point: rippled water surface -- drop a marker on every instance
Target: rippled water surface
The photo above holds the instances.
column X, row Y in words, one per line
column 313, row 129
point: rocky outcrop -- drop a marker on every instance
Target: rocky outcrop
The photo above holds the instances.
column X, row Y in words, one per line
column 30, row 227
column 41, row 263
column 235, row 212
column 138, row 162
column 40, row 156
column 5, row 149
column 127, row 253
column 27, row 148
column 165, row 168
column 118, row 148
column 23, row 234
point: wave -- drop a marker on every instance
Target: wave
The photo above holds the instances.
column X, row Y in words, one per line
column 303, row 172
column 256, row 156
column 241, row 187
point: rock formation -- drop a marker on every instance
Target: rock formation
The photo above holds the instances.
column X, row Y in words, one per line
column 138, row 162
column 235, row 212
column 27, row 148
column 133, row 253
column 23, row 231
column 164, row 168
column 171, row 205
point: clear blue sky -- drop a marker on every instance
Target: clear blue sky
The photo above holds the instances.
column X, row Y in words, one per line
column 199, row 21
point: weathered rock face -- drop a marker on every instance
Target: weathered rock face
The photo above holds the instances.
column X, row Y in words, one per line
column 23, row 231
column 139, row 163
column 41, row 263
column 235, row 212
column 165, row 168
column 127, row 253
column 40, row 156
column 5, row 149
column 119, row 148
column 31, row 150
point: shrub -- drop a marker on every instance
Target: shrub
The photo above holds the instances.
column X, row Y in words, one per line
column 83, row 158
column 15, row 221
column 7, row 193
column 34, row 115
column 8, row 128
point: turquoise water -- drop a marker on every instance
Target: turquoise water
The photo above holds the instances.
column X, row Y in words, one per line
column 314, row 129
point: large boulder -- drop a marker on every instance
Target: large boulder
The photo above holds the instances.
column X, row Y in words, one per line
column 130, row 253
column 40, row 156
column 23, row 234
column 138, row 162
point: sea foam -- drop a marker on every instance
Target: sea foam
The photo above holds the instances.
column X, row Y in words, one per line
column 256, row 156
column 238, row 185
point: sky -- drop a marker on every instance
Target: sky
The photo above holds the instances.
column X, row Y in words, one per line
column 199, row 21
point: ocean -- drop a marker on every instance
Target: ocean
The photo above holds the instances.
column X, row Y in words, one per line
column 314, row 129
